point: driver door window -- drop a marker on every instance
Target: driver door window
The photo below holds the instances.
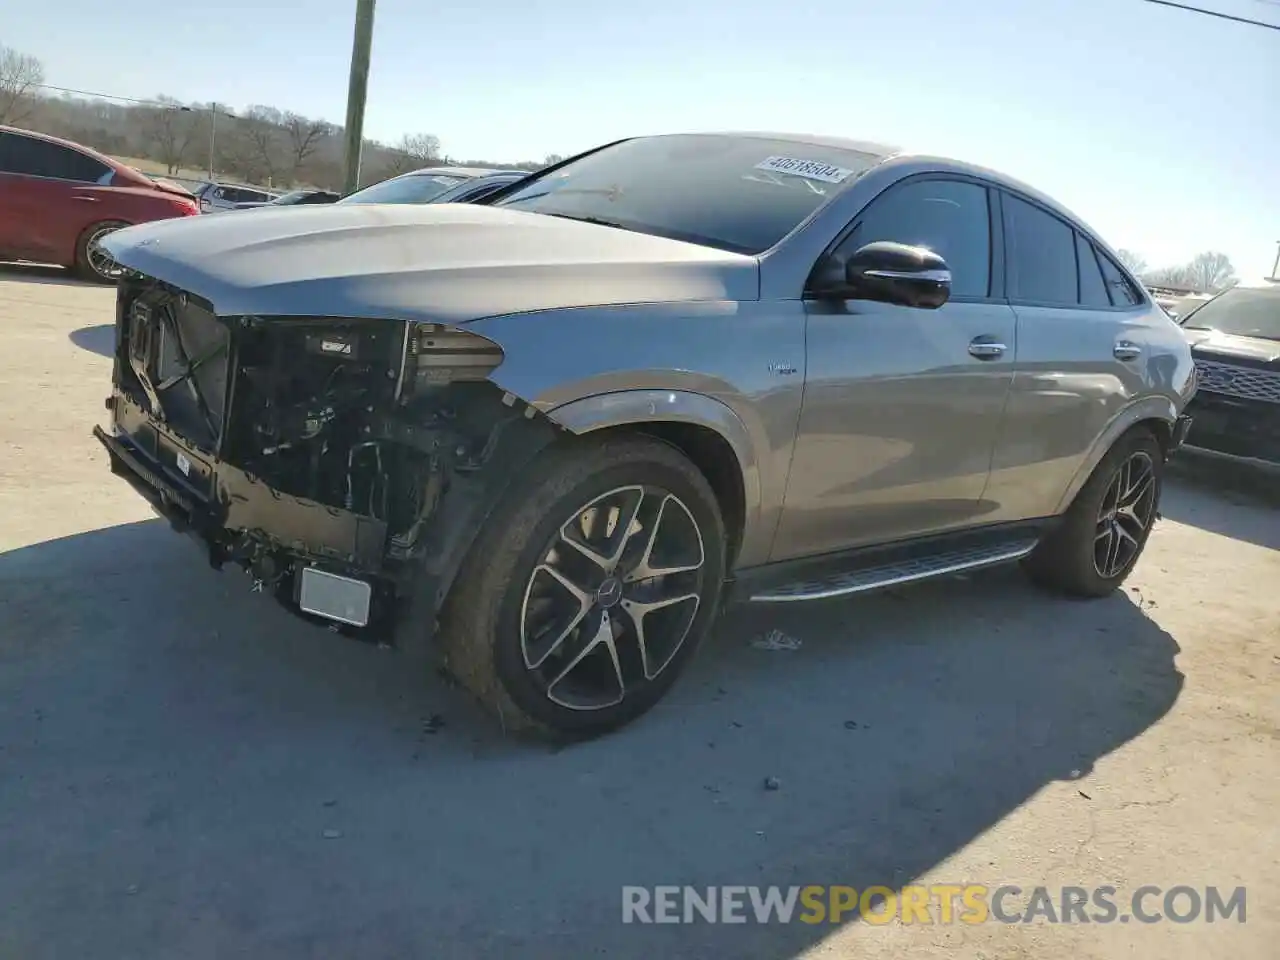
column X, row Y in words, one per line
column 950, row 217
column 900, row 416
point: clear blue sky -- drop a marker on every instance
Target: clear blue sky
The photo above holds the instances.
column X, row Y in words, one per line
column 1160, row 128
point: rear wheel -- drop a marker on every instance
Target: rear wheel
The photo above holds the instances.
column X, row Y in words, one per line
column 585, row 596
column 92, row 262
column 1104, row 532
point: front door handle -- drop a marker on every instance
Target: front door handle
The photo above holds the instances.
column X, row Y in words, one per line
column 84, row 199
column 1127, row 350
column 986, row 348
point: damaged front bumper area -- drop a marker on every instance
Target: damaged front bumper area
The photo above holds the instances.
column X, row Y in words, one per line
column 345, row 464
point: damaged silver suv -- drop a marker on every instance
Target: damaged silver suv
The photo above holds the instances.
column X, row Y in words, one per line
column 553, row 433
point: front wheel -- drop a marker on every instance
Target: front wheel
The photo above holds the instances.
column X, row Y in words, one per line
column 584, row 597
column 1105, row 530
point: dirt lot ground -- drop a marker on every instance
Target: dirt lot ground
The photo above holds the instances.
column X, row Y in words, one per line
column 188, row 772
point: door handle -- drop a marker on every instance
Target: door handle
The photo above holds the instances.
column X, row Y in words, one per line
column 986, row 348
column 84, row 199
column 1127, row 350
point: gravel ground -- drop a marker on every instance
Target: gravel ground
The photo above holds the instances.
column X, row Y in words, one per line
column 188, row 772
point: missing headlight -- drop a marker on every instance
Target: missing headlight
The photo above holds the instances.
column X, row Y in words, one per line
column 436, row 355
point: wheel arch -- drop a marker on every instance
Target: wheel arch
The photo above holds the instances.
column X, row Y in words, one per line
column 706, row 431
column 1156, row 414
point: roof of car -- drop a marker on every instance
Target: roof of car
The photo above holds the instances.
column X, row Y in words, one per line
column 457, row 171
column 818, row 140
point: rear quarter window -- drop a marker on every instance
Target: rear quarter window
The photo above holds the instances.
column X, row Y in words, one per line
column 1042, row 255
column 1121, row 290
column 1093, row 288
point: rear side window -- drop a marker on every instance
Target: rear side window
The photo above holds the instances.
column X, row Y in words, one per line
column 40, row 158
column 1042, row 256
column 950, row 217
column 10, row 146
column 1093, row 288
column 1121, row 290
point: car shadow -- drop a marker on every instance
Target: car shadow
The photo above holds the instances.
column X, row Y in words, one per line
column 1233, row 500
column 99, row 339
column 42, row 273
column 192, row 766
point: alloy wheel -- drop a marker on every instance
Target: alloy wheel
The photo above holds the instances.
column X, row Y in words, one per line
column 1128, row 508
column 100, row 261
column 613, row 597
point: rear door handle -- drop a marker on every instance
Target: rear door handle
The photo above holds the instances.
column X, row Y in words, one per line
column 84, row 199
column 1127, row 350
column 986, row 348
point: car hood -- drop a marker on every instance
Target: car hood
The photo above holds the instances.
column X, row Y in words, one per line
column 446, row 263
column 1228, row 345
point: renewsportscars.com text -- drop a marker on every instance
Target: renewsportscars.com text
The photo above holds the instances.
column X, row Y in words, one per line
column 932, row 904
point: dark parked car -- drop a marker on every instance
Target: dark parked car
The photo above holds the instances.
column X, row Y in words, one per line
column 59, row 199
column 563, row 424
column 437, row 185
column 1235, row 339
column 294, row 198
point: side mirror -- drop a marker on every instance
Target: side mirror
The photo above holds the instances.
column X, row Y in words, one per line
column 896, row 273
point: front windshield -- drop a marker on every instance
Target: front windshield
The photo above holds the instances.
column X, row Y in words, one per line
column 736, row 193
column 408, row 188
column 1243, row 311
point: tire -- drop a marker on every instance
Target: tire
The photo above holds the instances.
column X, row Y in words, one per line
column 85, row 265
column 1074, row 559
column 511, row 582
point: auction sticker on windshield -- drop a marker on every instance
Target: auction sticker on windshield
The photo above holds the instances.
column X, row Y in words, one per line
column 809, row 169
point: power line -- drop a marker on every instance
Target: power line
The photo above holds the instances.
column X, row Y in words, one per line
column 1215, row 13
column 98, row 94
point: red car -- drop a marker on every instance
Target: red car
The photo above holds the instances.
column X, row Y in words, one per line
column 58, row 199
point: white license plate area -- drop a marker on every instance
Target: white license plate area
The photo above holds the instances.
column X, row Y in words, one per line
column 333, row 597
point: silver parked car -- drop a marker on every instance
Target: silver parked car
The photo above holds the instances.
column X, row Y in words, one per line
column 216, row 197
column 437, row 185
column 567, row 426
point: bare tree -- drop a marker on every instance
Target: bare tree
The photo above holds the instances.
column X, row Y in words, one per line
column 1169, row 276
column 420, row 146
column 170, row 129
column 263, row 133
column 20, row 77
column 304, row 137
column 1211, row 272
column 394, row 163
column 1133, row 261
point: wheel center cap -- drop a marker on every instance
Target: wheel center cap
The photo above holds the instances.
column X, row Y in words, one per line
column 610, row 593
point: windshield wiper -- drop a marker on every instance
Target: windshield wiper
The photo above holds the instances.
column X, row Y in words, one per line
column 598, row 221
column 612, row 193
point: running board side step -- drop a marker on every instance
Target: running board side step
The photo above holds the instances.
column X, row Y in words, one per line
column 897, row 572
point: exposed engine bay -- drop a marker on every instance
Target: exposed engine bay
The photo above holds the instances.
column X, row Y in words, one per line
column 308, row 441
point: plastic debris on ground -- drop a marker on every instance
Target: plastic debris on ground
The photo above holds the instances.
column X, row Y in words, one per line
column 776, row 640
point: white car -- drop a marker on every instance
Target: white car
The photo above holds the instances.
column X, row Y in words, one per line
column 223, row 196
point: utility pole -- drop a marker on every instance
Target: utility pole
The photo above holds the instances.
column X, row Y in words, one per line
column 1275, row 267
column 213, row 129
column 357, row 92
